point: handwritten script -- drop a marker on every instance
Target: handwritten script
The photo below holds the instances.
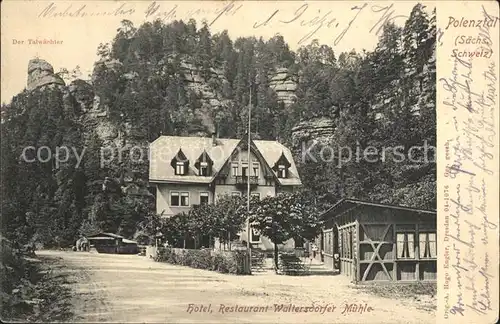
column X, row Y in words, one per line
column 313, row 20
column 153, row 10
column 307, row 17
column 470, row 101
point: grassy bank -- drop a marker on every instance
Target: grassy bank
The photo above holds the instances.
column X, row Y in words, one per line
column 422, row 293
column 31, row 292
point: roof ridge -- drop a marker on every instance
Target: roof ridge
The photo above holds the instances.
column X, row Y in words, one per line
column 219, row 138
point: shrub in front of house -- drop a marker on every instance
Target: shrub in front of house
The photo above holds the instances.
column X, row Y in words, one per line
column 290, row 264
column 232, row 262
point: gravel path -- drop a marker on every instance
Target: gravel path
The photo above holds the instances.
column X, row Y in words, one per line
column 129, row 288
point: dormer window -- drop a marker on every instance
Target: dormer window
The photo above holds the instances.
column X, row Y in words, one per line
column 282, row 171
column 180, row 163
column 204, row 165
column 204, row 169
column 180, row 168
column 281, row 166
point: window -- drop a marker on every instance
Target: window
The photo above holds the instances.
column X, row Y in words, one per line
column 236, row 194
column 177, row 199
column 282, row 171
column 256, row 172
column 427, row 245
column 203, row 198
column 244, row 170
column 204, row 164
column 174, row 199
column 184, row 199
column 405, row 245
column 234, row 170
column 255, row 194
column 180, row 168
column 180, row 163
column 204, row 169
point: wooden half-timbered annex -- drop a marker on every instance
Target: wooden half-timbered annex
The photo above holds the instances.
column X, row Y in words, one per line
column 379, row 242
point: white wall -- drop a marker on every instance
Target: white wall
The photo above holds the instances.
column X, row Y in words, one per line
column 163, row 197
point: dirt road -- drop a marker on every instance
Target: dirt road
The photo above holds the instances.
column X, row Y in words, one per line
column 129, row 288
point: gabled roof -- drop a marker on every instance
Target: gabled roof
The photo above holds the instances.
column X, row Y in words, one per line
column 348, row 203
column 104, row 234
column 243, row 144
column 164, row 149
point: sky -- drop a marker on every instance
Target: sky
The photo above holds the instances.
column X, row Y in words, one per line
column 78, row 27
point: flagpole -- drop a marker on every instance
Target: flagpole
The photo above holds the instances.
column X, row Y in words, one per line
column 249, row 234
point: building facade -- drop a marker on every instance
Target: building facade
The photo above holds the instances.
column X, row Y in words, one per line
column 188, row 171
column 380, row 242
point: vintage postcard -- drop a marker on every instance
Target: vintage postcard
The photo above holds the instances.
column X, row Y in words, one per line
column 250, row 161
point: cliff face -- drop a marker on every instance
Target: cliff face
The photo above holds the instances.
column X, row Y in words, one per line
column 318, row 129
column 208, row 94
column 40, row 74
column 130, row 170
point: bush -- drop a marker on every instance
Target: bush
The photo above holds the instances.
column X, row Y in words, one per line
column 290, row 264
column 228, row 262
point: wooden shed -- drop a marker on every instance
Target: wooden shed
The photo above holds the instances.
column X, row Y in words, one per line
column 113, row 243
column 380, row 242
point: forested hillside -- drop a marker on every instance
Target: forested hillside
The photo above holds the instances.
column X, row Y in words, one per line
column 179, row 79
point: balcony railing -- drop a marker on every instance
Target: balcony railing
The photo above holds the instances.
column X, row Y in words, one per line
column 243, row 180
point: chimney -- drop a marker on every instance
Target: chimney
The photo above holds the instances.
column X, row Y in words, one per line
column 214, row 139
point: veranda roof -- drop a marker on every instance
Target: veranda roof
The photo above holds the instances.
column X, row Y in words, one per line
column 348, row 203
column 101, row 238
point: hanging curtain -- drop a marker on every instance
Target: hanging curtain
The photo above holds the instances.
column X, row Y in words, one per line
column 432, row 245
column 422, row 246
column 411, row 245
column 400, row 237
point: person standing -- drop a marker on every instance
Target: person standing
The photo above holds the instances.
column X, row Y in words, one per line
column 314, row 250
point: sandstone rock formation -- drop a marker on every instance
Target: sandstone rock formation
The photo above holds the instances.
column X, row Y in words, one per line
column 318, row 129
column 83, row 93
column 194, row 80
column 105, row 64
column 284, row 84
column 41, row 73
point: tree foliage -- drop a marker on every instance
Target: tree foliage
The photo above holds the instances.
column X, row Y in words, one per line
column 381, row 98
column 286, row 216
